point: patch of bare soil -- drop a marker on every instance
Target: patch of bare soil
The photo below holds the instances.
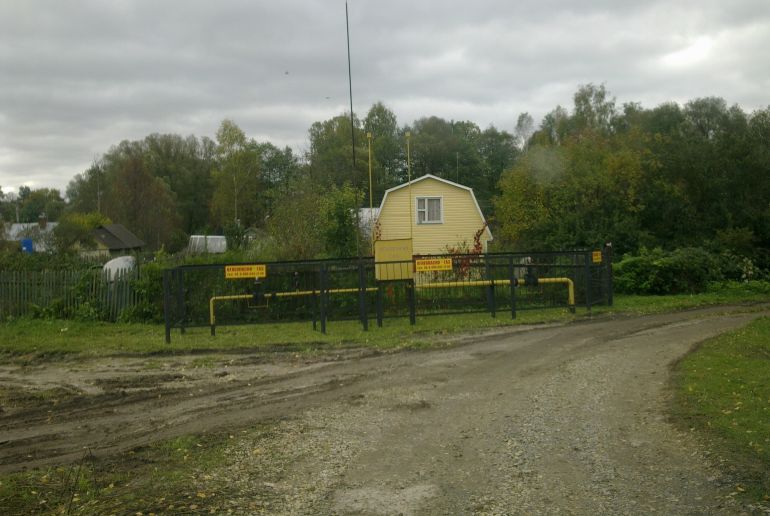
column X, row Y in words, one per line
column 535, row 420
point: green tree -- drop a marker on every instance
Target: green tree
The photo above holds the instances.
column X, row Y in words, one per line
column 9, row 204
column 331, row 152
column 295, row 226
column 86, row 191
column 593, row 109
column 185, row 164
column 581, row 193
column 41, row 201
column 497, row 151
column 553, row 129
column 143, row 203
column 388, row 152
column 520, row 207
column 279, row 167
column 339, row 227
column 236, row 179
column 436, row 148
column 754, row 196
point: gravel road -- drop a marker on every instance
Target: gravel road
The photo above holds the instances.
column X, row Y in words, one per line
column 564, row 419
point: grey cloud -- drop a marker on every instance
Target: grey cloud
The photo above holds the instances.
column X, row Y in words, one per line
column 79, row 76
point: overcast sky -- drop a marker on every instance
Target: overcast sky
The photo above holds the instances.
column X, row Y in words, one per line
column 77, row 77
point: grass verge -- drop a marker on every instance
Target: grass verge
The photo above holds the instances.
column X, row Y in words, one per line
column 31, row 340
column 730, row 292
column 167, row 477
column 723, row 394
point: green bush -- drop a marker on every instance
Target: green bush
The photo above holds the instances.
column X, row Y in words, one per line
column 17, row 261
column 684, row 271
column 149, row 289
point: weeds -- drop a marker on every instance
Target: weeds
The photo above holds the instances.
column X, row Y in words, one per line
column 723, row 395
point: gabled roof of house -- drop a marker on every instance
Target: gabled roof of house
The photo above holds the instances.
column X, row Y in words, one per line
column 431, row 176
column 116, row 237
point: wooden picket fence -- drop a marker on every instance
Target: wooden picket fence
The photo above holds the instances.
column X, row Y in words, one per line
column 67, row 293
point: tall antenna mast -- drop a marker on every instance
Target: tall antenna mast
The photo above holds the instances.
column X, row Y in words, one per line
column 350, row 88
column 353, row 136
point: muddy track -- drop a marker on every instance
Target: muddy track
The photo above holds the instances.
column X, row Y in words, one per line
column 132, row 407
column 433, row 422
column 119, row 419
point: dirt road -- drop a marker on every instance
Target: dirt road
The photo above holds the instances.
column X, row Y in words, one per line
column 541, row 419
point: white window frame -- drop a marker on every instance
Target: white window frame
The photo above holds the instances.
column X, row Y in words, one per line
column 417, row 209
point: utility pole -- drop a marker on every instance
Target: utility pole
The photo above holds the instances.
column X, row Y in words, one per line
column 409, row 179
column 371, row 201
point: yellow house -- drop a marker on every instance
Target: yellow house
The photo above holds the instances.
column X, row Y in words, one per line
column 434, row 213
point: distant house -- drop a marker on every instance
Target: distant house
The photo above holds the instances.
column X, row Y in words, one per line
column 35, row 237
column 435, row 213
column 113, row 239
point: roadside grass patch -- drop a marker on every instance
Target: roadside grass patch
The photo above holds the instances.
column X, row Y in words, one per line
column 167, row 477
column 206, row 362
column 30, row 341
column 729, row 292
column 35, row 340
column 723, row 394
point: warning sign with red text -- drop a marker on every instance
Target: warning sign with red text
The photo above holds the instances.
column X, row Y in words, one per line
column 245, row 271
column 433, row 264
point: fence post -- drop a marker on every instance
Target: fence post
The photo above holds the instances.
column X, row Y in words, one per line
column 412, row 302
column 512, row 279
column 315, row 308
column 362, row 309
column 322, row 298
column 180, row 299
column 587, row 273
column 112, row 294
column 490, row 290
column 379, row 304
column 167, row 303
column 608, row 271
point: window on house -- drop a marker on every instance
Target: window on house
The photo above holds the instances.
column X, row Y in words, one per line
column 429, row 210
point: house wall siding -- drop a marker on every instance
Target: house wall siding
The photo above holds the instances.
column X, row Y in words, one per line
column 461, row 218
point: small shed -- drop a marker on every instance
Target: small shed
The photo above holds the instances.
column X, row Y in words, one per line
column 435, row 213
column 114, row 239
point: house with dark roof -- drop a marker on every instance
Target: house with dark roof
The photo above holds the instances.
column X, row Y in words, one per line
column 113, row 239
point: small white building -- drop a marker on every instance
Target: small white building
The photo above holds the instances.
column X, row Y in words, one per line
column 200, row 244
column 41, row 234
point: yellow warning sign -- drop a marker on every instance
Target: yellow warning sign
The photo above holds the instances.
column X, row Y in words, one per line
column 597, row 256
column 245, row 271
column 433, row 264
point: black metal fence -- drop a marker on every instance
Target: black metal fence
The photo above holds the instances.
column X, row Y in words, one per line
column 360, row 289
